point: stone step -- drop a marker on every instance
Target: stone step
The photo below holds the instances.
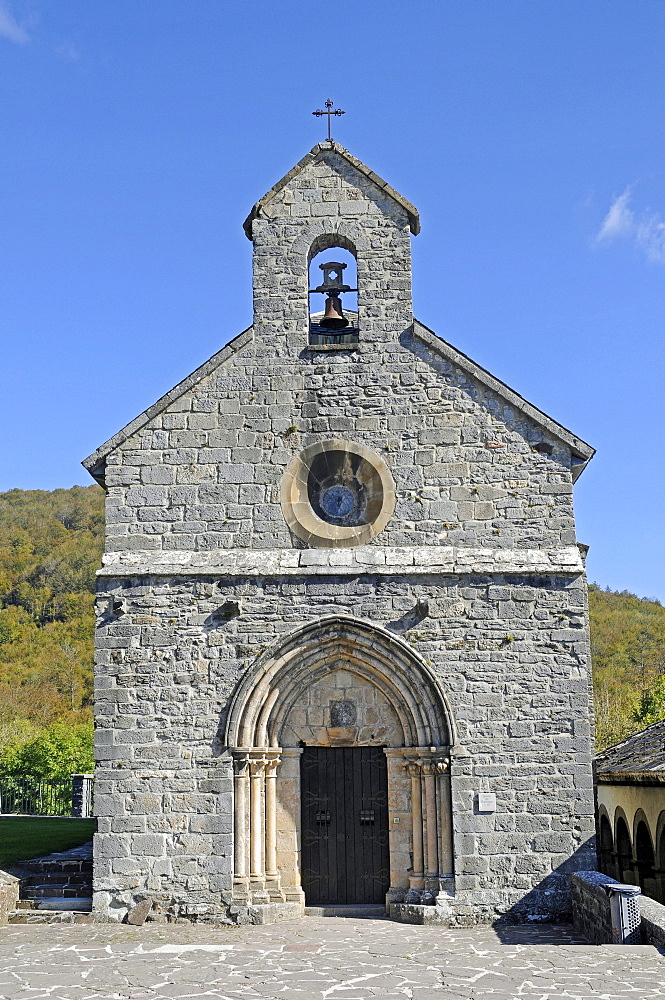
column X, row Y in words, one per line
column 49, row 889
column 46, row 878
column 83, row 903
column 358, row 911
column 43, row 867
column 59, row 901
column 50, row 917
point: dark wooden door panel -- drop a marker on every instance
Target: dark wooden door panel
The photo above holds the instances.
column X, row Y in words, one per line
column 344, row 794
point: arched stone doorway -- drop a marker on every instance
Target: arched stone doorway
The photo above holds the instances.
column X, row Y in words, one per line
column 340, row 683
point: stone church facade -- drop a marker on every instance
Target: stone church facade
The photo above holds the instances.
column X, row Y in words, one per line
column 342, row 648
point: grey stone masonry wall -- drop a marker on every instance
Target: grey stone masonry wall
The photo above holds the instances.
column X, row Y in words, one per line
column 205, row 473
column 591, row 906
column 482, row 541
column 9, row 893
column 591, row 911
column 516, row 681
column 330, row 203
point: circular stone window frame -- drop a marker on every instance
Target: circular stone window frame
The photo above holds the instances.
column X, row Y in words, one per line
column 302, row 519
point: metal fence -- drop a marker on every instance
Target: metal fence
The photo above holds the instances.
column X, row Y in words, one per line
column 63, row 797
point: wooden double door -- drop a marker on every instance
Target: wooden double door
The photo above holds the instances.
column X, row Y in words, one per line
column 344, row 793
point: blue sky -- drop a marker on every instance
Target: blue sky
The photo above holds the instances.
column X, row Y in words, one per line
column 137, row 134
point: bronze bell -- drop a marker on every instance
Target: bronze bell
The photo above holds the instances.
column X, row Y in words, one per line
column 332, row 317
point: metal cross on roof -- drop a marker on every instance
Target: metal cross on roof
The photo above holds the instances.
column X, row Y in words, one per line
column 329, row 111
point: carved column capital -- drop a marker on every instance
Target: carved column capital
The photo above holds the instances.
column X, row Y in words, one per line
column 240, row 763
column 433, row 760
column 272, row 763
column 412, row 768
column 257, row 767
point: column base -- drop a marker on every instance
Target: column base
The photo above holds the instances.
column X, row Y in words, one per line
column 294, row 895
column 273, row 889
column 258, row 892
column 240, row 893
column 395, row 894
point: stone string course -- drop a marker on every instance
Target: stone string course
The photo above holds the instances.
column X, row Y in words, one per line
column 392, row 560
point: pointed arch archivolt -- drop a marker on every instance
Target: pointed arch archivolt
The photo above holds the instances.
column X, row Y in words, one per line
column 288, row 701
column 263, row 698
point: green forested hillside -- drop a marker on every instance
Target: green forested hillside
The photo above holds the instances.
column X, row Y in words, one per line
column 50, row 547
column 628, row 655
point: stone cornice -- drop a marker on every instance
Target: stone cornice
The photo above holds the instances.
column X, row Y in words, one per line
column 344, row 562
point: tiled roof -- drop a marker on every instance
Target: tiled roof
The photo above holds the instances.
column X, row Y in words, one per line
column 643, row 752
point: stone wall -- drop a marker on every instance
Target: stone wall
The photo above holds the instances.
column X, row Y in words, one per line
column 591, row 911
column 518, row 689
column 204, row 474
column 653, row 922
column 591, row 906
column 471, row 467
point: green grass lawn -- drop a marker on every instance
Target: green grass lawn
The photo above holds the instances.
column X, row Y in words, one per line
column 23, row 837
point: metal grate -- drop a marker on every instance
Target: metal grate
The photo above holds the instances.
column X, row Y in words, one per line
column 625, row 913
column 36, row 798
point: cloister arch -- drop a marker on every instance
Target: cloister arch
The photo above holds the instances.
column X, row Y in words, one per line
column 290, row 700
column 660, row 858
column 624, row 849
column 644, row 855
column 606, row 845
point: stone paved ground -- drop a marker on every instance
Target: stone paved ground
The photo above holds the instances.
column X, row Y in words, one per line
column 320, row 958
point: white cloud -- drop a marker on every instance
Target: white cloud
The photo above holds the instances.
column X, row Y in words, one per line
column 646, row 231
column 9, row 26
column 651, row 238
column 619, row 221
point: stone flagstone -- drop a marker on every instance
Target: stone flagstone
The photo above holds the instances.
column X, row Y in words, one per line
column 321, row 959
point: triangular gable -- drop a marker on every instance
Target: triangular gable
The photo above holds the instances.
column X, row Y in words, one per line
column 326, row 147
column 95, row 463
column 580, row 448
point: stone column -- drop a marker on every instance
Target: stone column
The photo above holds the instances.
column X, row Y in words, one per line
column 241, row 821
column 416, row 880
column 288, row 825
column 446, row 851
column 272, row 760
column 256, row 820
column 428, row 767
